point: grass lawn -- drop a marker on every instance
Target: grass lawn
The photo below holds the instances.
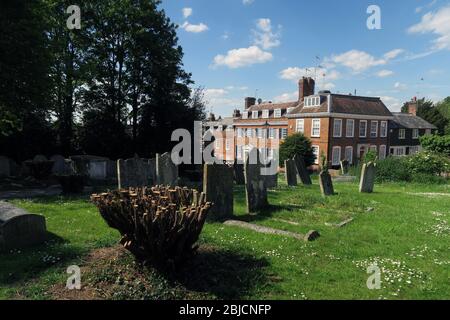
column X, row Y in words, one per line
column 402, row 227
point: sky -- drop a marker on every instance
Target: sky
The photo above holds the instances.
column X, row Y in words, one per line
column 240, row 48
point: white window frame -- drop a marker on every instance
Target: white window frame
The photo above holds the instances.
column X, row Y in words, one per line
column 316, row 152
column 414, row 149
column 239, row 132
column 272, row 133
column 334, row 154
column 283, row 133
column 382, row 152
column 415, row 134
column 277, row 113
column 312, row 102
column 373, row 134
column 227, row 145
column 245, row 115
column 255, row 114
column 337, row 134
column 265, row 114
column 350, row 160
column 402, row 134
column 383, row 129
column 373, row 148
column 365, row 129
column 315, row 128
column 249, row 133
column 352, row 126
column 300, row 126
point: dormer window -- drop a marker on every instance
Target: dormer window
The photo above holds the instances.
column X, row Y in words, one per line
column 277, row 113
column 255, row 114
column 245, row 115
column 265, row 114
column 312, row 101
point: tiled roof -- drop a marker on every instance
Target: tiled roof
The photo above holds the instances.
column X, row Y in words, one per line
column 272, row 106
column 229, row 121
column 409, row 121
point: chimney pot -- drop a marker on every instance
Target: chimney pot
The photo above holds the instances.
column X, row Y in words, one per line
column 306, row 87
column 249, row 101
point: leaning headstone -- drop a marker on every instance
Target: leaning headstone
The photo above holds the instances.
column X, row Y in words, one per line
column 239, row 177
column 255, row 185
column 135, row 172
column 326, row 184
column 19, row 229
column 97, row 169
column 345, row 167
column 166, row 170
column 271, row 179
column 302, row 170
column 218, row 187
column 5, row 167
column 291, row 173
column 367, row 178
column 59, row 166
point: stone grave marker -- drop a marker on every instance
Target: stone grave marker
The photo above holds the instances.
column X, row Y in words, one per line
column 302, row 170
column 271, row 180
column 5, row 167
column 367, row 178
column 291, row 173
column 345, row 166
column 239, row 177
column 218, row 188
column 20, row 229
column 135, row 172
column 326, row 184
column 60, row 165
column 255, row 184
column 166, row 170
column 97, row 169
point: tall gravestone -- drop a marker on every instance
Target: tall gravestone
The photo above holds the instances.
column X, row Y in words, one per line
column 271, row 179
column 218, row 188
column 60, row 165
column 367, row 178
column 302, row 170
column 135, row 172
column 239, row 177
column 19, row 229
column 166, row 170
column 291, row 173
column 345, row 166
column 255, row 184
column 97, row 169
column 326, row 184
column 5, row 167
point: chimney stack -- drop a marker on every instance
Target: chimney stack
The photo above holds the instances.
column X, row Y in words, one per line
column 413, row 106
column 249, row 101
column 306, row 88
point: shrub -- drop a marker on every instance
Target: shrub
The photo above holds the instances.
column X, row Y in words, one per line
column 159, row 226
column 370, row 156
column 393, row 169
column 435, row 143
column 427, row 162
column 297, row 144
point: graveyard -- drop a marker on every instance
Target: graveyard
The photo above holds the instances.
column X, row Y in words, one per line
column 401, row 226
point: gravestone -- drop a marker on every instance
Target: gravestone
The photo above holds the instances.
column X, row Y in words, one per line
column 218, row 187
column 271, row 180
column 60, row 165
column 367, row 178
column 302, row 171
column 239, row 177
column 97, row 169
column 81, row 165
column 326, row 184
column 166, row 170
column 291, row 173
column 5, row 167
column 135, row 172
column 19, row 229
column 255, row 184
column 111, row 169
column 345, row 166
column 40, row 158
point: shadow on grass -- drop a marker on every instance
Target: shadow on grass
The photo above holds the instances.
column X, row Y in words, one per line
column 224, row 274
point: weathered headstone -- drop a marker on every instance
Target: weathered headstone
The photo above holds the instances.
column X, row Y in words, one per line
column 111, row 169
column 326, row 184
column 239, row 177
column 19, row 229
column 367, row 178
column 218, row 187
column 271, row 180
column 255, row 184
column 97, row 169
column 5, row 167
column 166, row 170
column 345, row 166
column 291, row 173
column 60, row 165
column 135, row 172
column 302, row 170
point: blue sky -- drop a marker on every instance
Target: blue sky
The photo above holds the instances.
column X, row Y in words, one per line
column 239, row 48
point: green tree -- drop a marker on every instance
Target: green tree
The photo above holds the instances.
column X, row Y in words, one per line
column 297, row 144
column 431, row 113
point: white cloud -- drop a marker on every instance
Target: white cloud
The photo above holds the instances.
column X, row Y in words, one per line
column 194, row 28
column 400, row 86
column 286, row 97
column 187, row 12
column 393, row 54
column 264, row 36
column 437, row 23
column 392, row 103
column 356, row 60
column 420, row 9
column 247, row 2
column 384, row 73
column 295, row 73
column 238, row 58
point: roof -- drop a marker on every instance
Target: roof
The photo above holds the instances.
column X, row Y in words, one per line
column 272, row 106
column 346, row 104
column 229, row 121
column 409, row 121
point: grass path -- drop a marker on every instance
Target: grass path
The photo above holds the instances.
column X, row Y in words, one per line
column 402, row 227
